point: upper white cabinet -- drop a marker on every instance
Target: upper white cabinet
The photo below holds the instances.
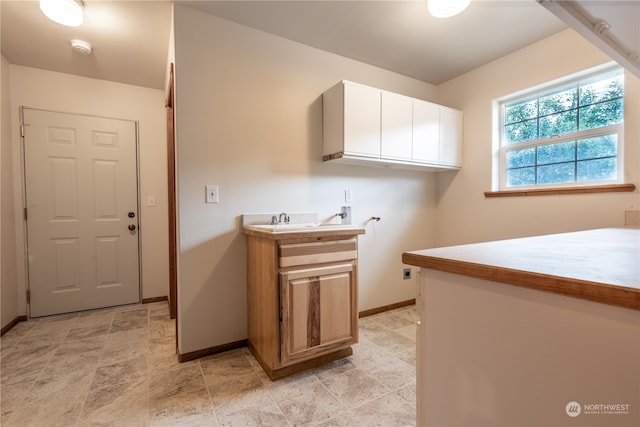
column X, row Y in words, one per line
column 365, row 124
column 426, row 132
column 396, row 136
column 352, row 120
column 450, row 134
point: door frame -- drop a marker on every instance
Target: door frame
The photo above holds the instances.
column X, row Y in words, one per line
column 172, row 201
column 23, row 160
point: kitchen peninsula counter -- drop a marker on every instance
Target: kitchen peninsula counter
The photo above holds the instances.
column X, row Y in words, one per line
column 601, row 265
column 537, row 331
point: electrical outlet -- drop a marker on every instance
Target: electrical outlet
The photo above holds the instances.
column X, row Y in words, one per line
column 632, row 217
column 212, row 194
column 406, row 274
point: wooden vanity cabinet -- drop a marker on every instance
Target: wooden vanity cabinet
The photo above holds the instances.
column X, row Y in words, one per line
column 302, row 301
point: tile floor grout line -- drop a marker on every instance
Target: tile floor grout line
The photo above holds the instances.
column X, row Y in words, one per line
column 147, row 379
column 289, row 423
column 269, row 391
column 84, row 401
column 206, row 386
column 346, row 409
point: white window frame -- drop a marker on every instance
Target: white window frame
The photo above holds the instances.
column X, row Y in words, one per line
column 504, row 147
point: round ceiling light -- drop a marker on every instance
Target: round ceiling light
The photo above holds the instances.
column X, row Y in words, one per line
column 446, row 8
column 81, row 46
column 65, row 12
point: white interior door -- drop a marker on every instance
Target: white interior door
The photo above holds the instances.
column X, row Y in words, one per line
column 82, row 211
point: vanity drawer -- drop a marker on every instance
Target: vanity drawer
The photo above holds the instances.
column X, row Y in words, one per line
column 317, row 252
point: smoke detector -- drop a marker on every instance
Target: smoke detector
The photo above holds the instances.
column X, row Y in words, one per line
column 81, row 46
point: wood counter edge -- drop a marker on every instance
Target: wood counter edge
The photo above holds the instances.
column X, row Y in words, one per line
column 593, row 291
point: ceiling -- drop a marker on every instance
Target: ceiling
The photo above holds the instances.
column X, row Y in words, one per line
column 130, row 38
column 400, row 36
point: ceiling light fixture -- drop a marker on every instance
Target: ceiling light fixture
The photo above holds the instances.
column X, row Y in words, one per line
column 65, row 12
column 81, row 46
column 446, row 8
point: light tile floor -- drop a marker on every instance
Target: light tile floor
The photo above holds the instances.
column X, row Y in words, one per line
column 117, row 367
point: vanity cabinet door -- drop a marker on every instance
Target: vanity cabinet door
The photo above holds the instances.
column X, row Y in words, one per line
column 318, row 310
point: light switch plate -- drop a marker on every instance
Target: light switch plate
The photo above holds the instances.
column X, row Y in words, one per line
column 212, row 194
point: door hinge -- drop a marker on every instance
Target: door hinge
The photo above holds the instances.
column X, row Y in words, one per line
column 22, row 131
column 25, row 214
column 28, row 296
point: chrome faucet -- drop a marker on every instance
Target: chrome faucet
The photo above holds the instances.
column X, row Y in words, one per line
column 286, row 218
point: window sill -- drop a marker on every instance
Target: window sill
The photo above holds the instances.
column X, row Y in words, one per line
column 614, row 188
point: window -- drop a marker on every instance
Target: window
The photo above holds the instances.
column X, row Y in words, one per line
column 564, row 135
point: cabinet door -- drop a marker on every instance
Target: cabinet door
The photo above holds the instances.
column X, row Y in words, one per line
column 319, row 311
column 426, row 132
column 450, row 137
column 361, row 120
column 396, row 126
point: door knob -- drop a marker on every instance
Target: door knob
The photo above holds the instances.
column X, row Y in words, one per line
column 131, row 227
column 131, row 214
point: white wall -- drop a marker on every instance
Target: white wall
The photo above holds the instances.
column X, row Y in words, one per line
column 249, row 119
column 42, row 89
column 464, row 214
column 8, row 266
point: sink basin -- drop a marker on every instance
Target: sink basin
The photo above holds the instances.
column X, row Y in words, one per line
column 272, row 227
column 304, row 227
